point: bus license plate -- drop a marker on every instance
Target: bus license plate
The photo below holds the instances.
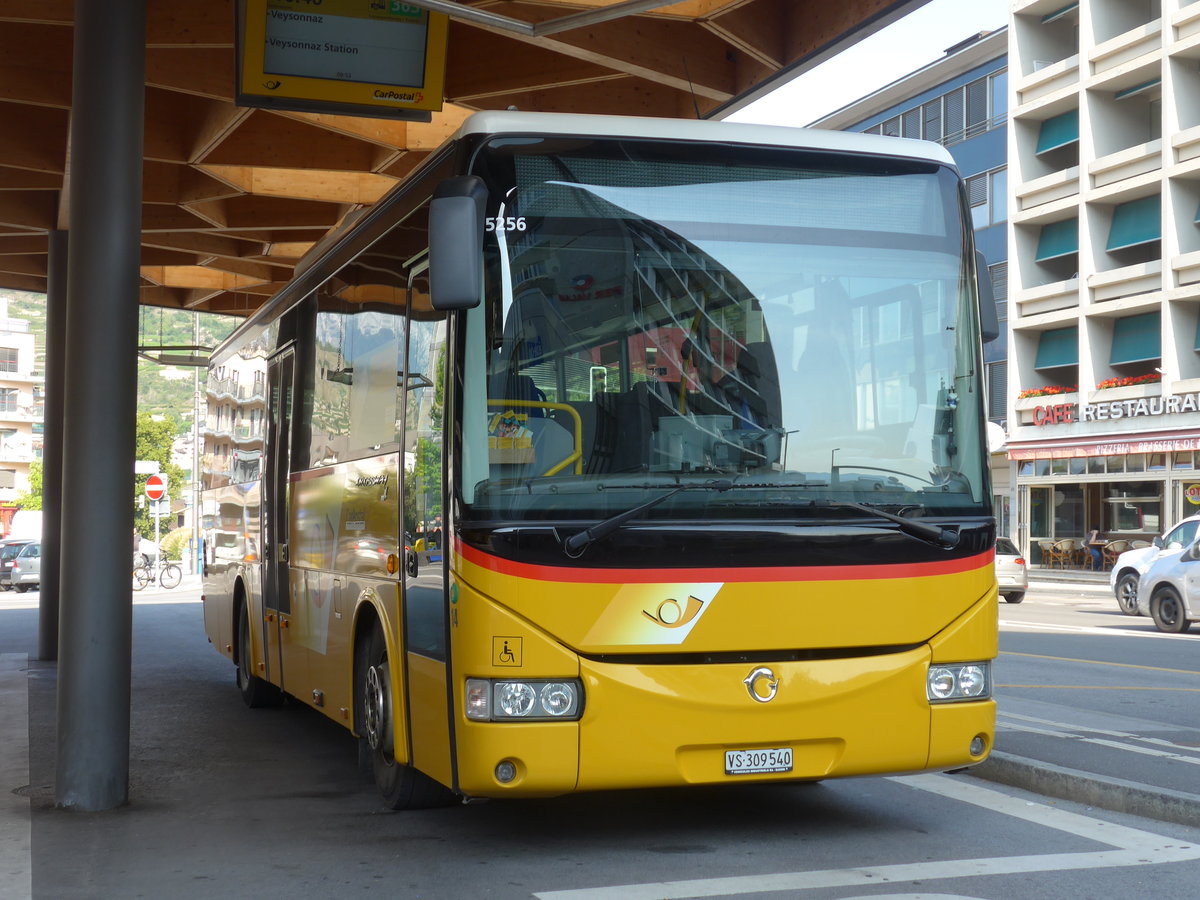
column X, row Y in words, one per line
column 756, row 762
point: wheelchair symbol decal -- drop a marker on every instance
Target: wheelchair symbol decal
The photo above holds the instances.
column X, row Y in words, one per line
column 506, row 651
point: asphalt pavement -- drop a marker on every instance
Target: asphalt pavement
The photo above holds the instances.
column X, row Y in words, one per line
column 1050, row 748
column 1141, row 763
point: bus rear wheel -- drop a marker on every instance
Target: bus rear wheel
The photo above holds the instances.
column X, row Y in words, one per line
column 401, row 786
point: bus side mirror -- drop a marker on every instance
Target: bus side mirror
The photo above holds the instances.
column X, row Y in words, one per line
column 456, row 243
column 989, row 321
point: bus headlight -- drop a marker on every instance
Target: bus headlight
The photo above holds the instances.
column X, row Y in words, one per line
column 493, row 700
column 960, row 681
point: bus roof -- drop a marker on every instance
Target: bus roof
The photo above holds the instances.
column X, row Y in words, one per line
column 517, row 122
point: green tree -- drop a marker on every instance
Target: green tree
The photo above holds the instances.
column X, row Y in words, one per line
column 32, row 499
column 153, row 441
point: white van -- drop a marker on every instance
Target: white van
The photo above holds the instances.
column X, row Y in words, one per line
column 26, row 523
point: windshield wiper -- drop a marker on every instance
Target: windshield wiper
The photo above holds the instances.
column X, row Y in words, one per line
column 577, row 543
column 945, row 538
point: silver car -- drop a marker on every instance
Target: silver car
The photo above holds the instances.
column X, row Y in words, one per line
column 1012, row 572
column 1131, row 565
column 26, row 571
column 1169, row 592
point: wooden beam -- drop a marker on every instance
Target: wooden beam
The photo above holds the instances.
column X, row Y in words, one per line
column 203, row 71
column 22, row 243
column 197, row 277
column 307, row 184
column 17, row 282
column 170, row 23
column 26, row 180
column 33, row 137
column 28, row 209
column 205, row 244
column 27, row 264
column 679, row 55
column 281, row 142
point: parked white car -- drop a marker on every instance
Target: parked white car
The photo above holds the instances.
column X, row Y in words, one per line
column 1012, row 573
column 1169, row 592
column 1133, row 564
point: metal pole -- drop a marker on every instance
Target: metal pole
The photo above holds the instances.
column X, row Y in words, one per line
column 95, row 640
column 196, row 548
column 52, row 449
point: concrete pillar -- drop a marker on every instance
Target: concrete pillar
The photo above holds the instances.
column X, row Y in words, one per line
column 101, row 384
column 52, row 449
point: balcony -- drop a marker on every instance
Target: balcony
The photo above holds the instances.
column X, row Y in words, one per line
column 1186, row 267
column 1186, row 144
column 1127, row 281
column 1048, row 80
column 1186, row 22
column 20, row 413
column 1047, row 298
column 1136, row 160
column 1055, row 186
column 1126, row 47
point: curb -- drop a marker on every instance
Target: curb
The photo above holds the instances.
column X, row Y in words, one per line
column 1113, row 794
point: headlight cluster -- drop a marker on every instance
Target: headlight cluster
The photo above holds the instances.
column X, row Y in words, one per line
column 959, row 681
column 494, row 701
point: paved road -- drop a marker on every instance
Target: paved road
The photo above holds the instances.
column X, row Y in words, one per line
column 231, row 802
column 1097, row 706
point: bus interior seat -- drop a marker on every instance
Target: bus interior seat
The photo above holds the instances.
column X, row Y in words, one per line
column 511, row 386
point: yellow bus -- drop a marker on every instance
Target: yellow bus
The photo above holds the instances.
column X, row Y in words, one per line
column 614, row 452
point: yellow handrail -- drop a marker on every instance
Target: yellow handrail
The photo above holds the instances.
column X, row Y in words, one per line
column 577, row 456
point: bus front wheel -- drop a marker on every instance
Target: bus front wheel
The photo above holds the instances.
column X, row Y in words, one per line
column 402, row 787
column 255, row 691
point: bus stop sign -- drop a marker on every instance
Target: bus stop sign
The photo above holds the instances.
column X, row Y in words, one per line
column 156, row 487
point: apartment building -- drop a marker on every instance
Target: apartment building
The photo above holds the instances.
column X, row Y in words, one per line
column 961, row 101
column 1104, row 267
column 21, row 407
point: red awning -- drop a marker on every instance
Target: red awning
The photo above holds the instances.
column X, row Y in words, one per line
column 1112, row 445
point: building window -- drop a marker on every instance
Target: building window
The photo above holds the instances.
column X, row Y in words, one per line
column 986, row 197
column 8, row 478
column 999, row 275
column 956, row 115
column 8, row 359
column 8, row 399
column 997, row 374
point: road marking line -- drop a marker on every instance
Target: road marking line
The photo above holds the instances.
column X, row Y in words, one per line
column 1100, row 662
column 1178, row 752
column 1084, row 629
column 1131, row 847
column 1099, row 687
column 16, row 845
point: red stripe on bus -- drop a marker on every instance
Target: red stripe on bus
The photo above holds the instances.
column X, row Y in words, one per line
column 728, row 575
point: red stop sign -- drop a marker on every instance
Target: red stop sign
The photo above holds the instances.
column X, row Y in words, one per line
column 156, row 487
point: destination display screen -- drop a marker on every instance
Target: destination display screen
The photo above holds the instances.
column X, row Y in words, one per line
column 353, row 57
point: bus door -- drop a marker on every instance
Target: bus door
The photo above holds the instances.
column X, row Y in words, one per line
column 277, row 604
column 425, row 598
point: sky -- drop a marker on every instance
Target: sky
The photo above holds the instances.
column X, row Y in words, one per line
column 903, row 47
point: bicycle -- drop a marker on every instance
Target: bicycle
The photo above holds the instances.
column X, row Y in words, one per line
column 142, row 576
column 169, row 576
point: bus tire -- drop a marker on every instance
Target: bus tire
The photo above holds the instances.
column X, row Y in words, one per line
column 1168, row 612
column 256, row 692
column 401, row 786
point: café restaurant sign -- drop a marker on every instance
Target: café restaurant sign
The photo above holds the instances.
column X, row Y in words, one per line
column 1069, row 413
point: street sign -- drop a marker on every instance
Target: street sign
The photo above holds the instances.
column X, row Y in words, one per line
column 156, row 487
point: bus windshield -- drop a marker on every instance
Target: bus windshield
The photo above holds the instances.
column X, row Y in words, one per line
column 798, row 323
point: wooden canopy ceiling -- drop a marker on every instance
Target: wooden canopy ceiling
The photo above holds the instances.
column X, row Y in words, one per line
column 233, row 197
